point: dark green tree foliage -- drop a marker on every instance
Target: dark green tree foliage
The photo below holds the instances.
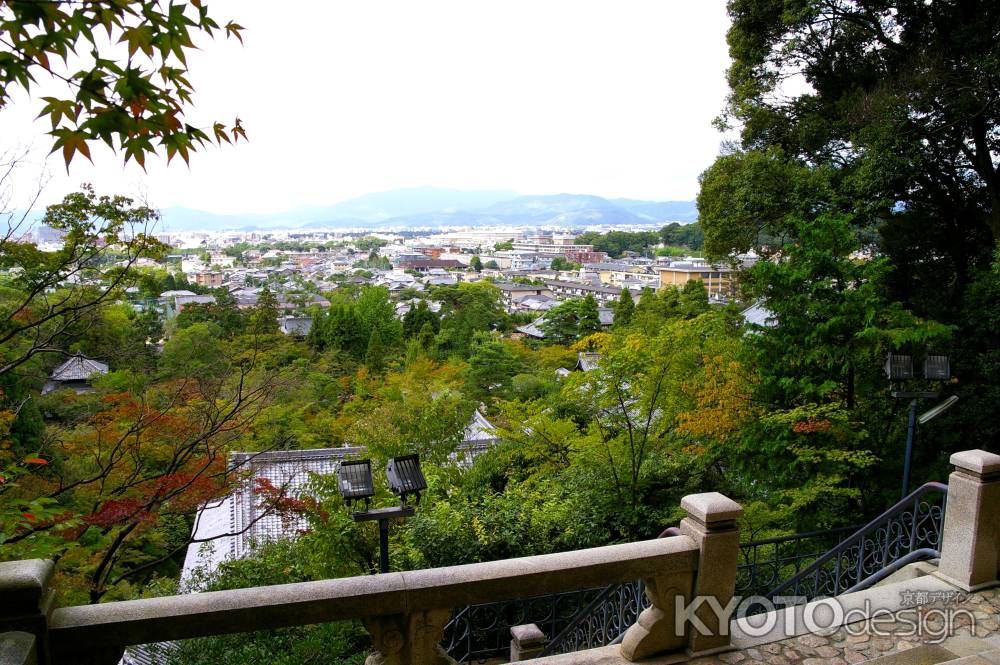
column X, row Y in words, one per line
column 224, row 312
column 571, row 320
column 465, row 309
column 417, row 317
column 589, row 321
column 624, row 309
column 339, row 328
column 264, row 317
column 683, row 235
column 560, row 263
column 375, row 311
column 694, row 298
column 491, row 364
column 375, row 353
column 476, row 264
column 901, row 117
column 615, row 243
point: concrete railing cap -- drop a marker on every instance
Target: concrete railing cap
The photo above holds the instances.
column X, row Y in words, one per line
column 711, row 507
column 527, row 634
column 22, row 585
column 980, row 462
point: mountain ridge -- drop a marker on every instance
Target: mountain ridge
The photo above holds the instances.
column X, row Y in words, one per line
column 438, row 207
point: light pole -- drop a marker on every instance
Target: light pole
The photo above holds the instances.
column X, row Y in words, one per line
column 900, row 368
column 356, row 484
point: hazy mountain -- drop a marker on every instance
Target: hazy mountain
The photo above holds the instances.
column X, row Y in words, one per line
column 675, row 211
column 429, row 206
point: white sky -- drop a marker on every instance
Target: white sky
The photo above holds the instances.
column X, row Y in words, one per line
column 606, row 97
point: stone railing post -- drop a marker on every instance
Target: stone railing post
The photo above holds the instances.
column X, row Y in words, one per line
column 26, row 601
column 526, row 642
column 970, row 546
column 711, row 522
column 17, row 648
column 409, row 639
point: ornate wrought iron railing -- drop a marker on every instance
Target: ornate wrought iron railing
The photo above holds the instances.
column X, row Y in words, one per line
column 480, row 632
column 767, row 562
column 761, row 564
column 812, row 564
column 913, row 524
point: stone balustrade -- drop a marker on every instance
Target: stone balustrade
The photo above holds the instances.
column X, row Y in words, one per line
column 405, row 612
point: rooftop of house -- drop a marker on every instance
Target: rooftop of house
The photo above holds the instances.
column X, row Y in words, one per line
column 78, row 368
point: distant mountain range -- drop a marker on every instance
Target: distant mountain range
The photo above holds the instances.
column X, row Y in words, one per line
column 434, row 207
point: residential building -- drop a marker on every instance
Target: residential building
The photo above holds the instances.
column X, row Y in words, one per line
column 210, row 279
column 718, row 280
column 76, row 374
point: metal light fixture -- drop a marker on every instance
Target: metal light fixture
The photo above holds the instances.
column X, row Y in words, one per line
column 934, row 412
column 405, row 477
column 355, row 484
column 937, row 368
column 355, row 481
column 899, row 367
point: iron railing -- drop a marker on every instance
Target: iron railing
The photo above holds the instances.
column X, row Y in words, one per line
column 762, row 562
column 809, row 565
column 767, row 562
column 481, row 632
column 915, row 523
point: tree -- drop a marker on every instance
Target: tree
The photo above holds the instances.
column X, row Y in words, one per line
column 375, row 355
column 376, row 311
column 125, row 102
column 491, row 363
column 114, row 490
column 624, row 309
column 476, row 264
column 52, row 292
column 417, row 317
column 467, row 308
column 560, row 263
column 589, row 319
column 264, row 318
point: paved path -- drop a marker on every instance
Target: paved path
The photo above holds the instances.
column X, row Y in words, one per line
column 974, row 615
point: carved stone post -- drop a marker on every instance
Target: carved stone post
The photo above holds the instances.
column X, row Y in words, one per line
column 711, row 522
column 17, row 648
column 409, row 639
column 655, row 631
column 27, row 601
column 527, row 642
column 970, row 547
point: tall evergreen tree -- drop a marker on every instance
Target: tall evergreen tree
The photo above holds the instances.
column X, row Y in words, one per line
column 624, row 309
column 589, row 319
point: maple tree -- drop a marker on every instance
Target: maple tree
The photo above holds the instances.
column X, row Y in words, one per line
column 121, row 72
column 116, row 479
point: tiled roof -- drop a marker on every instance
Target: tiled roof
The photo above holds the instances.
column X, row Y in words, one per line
column 78, row 368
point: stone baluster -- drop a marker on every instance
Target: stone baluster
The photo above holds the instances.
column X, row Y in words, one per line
column 527, row 642
column 970, row 547
column 409, row 639
column 711, row 523
column 27, row 601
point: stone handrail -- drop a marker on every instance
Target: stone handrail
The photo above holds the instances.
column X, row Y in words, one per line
column 404, row 612
column 405, row 593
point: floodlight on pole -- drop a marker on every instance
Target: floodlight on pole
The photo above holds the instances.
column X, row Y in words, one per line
column 899, row 367
column 405, row 477
column 355, row 481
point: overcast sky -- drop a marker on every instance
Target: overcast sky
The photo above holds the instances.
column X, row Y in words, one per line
column 606, row 97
